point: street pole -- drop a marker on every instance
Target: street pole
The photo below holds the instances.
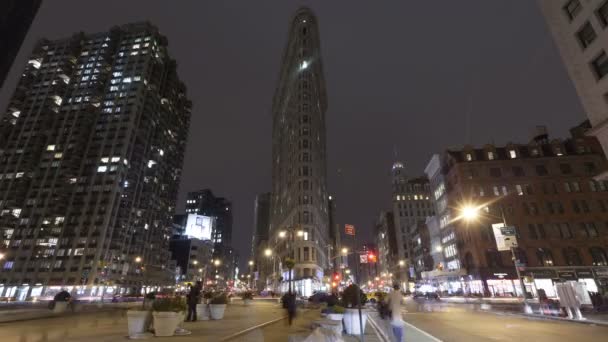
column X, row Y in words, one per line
column 514, row 257
column 359, row 289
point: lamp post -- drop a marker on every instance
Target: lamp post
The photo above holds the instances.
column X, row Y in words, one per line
column 268, row 253
column 471, row 213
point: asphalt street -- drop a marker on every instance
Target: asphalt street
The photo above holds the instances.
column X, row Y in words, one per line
column 457, row 322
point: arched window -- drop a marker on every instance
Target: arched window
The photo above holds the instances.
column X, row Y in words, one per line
column 599, row 256
column 572, row 257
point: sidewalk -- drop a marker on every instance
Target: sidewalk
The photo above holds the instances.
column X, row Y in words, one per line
column 411, row 333
column 42, row 311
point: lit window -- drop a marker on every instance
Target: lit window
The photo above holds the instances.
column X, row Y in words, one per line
column 117, row 74
column 135, row 46
column 134, row 53
column 161, row 152
column 115, row 159
column 105, row 159
column 151, row 163
column 512, row 154
column 469, row 157
column 19, row 174
column 50, row 148
column 490, row 155
column 102, row 168
column 126, row 80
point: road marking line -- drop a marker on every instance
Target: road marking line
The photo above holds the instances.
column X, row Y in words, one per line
column 381, row 335
column 250, row 329
column 423, row 332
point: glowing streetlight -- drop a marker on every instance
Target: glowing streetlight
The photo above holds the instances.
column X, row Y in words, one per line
column 217, row 262
column 200, row 270
column 438, row 248
column 268, row 252
column 282, row 234
column 195, row 262
column 344, row 251
column 401, row 263
column 469, row 212
column 250, row 262
column 347, row 271
column 390, row 275
column 248, row 276
column 300, row 233
column 1, row 256
column 137, row 259
column 377, row 278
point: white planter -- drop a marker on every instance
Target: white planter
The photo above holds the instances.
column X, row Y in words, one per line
column 336, row 317
column 202, row 312
column 247, row 301
column 351, row 321
column 217, row 310
column 138, row 322
column 60, row 307
column 165, row 322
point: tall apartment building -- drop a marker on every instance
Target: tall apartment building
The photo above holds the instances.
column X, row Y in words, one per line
column 579, row 28
column 16, row 17
column 91, row 151
column 546, row 190
column 299, row 188
column 386, row 241
column 411, row 206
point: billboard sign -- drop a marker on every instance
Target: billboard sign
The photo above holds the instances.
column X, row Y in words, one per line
column 505, row 237
column 199, row 227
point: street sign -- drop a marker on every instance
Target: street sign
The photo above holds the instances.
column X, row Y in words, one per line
column 363, row 258
column 349, row 229
column 505, row 237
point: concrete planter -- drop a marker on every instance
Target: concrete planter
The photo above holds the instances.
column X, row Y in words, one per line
column 217, row 310
column 138, row 322
column 351, row 321
column 202, row 312
column 165, row 322
column 60, row 307
column 338, row 317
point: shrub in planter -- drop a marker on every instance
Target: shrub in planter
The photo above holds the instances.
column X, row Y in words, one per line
column 138, row 322
column 351, row 314
column 217, row 306
column 336, row 313
column 168, row 313
column 207, row 295
column 247, row 297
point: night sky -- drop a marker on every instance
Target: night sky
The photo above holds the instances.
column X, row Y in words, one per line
column 412, row 76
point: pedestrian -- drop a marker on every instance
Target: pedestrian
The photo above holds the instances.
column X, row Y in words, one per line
column 395, row 299
column 193, row 298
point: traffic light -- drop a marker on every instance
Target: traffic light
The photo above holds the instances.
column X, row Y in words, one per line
column 336, row 276
column 371, row 257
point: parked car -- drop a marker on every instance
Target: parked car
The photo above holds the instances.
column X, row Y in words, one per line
column 426, row 295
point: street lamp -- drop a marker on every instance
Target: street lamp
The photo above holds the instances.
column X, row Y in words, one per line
column 401, row 263
column 282, row 234
column 300, row 233
column 344, row 251
column 268, row 252
column 347, row 271
column 217, row 262
column 195, row 262
column 138, row 259
column 1, row 256
column 250, row 262
column 471, row 213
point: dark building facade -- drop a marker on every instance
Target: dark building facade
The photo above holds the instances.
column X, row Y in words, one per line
column 261, row 226
column 204, row 202
column 91, row 152
column 16, row 17
column 547, row 191
column 299, row 203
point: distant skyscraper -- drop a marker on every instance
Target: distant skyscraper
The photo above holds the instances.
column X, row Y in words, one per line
column 204, row 202
column 91, row 152
column 579, row 30
column 16, row 17
column 411, row 206
column 299, row 204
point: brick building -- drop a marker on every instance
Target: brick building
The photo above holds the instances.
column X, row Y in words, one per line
column 546, row 190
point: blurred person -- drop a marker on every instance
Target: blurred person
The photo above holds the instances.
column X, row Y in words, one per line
column 193, row 298
column 395, row 299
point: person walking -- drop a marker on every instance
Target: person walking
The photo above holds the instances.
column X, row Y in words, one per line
column 395, row 299
column 193, row 298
